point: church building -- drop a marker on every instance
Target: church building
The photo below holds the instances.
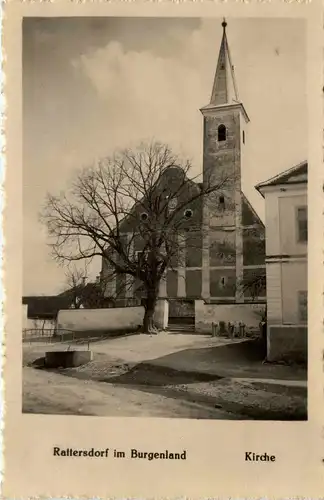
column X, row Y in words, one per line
column 224, row 247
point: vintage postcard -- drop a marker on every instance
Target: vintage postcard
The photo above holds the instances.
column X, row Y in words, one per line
column 163, row 249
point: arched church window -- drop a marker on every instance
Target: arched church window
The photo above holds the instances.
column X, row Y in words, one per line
column 221, row 133
column 221, row 202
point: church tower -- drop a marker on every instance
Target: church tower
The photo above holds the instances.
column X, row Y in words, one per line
column 225, row 122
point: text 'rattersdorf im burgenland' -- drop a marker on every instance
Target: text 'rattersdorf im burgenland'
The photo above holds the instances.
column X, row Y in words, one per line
column 114, row 453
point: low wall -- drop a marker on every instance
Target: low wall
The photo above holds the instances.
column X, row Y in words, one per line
column 287, row 343
column 207, row 314
column 110, row 319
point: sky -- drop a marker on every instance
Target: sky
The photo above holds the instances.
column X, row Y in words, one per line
column 93, row 85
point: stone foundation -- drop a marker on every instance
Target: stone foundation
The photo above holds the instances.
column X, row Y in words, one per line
column 287, row 343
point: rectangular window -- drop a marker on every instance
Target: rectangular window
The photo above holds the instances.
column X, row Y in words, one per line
column 302, row 306
column 302, row 226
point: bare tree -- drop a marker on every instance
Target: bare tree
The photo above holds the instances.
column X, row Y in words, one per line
column 84, row 293
column 76, row 281
column 136, row 199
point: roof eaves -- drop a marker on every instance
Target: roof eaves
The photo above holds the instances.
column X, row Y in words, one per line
column 229, row 105
column 281, row 177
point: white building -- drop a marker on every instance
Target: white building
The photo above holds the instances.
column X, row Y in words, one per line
column 286, row 263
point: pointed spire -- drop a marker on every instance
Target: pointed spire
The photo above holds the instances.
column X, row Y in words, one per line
column 224, row 88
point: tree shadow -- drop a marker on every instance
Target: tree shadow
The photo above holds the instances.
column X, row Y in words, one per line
column 145, row 374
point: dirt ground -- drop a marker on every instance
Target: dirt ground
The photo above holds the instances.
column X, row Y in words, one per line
column 140, row 347
column 186, row 376
column 53, row 393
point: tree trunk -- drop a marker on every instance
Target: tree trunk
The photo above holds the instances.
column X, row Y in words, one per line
column 148, row 322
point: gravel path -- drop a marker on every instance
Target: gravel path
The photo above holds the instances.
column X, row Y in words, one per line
column 249, row 398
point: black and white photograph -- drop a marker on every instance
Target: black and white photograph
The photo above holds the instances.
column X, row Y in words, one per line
column 165, row 217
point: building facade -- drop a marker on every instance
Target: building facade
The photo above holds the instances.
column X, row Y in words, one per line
column 286, row 263
column 222, row 244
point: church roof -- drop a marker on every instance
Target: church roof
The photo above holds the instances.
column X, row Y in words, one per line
column 224, row 88
column 249, row 215
column 294, row 175
column 224, row 92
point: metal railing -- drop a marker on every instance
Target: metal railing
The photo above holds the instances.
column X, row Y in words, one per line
column 46, row 334
column 57, row 335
